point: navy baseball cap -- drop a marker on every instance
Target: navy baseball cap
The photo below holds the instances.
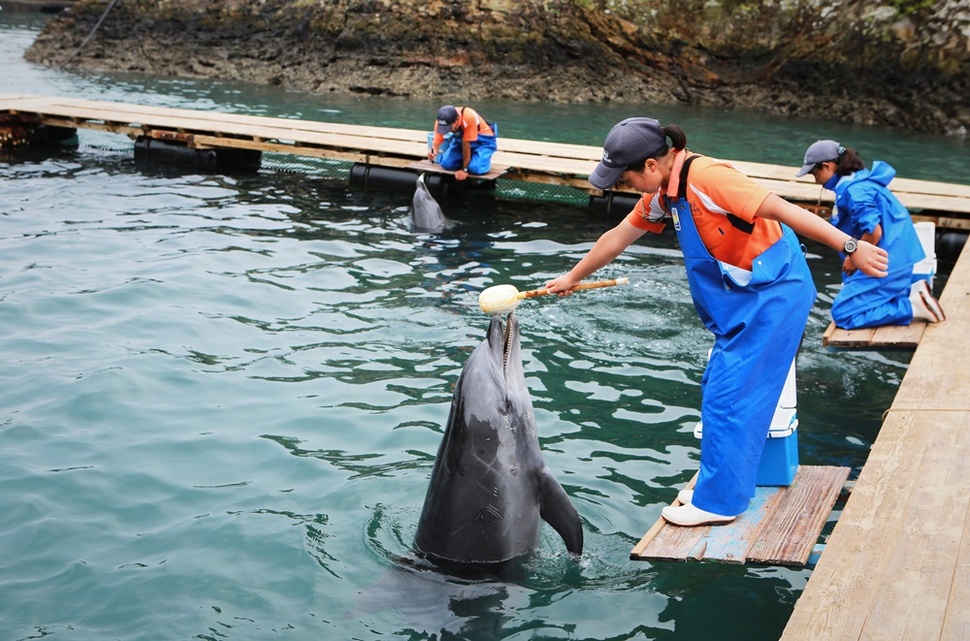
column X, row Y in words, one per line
column 447, row 115
column 628, row 143
column 820, row 151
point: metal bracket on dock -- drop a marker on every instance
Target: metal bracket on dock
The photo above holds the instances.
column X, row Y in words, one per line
column 172, row 136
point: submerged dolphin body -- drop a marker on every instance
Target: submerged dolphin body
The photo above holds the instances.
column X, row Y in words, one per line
column 426, row 214
column 490, row 487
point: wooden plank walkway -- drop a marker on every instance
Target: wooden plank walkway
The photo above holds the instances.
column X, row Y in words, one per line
column 885, row 337
column 897, row 564
column 545, row 162
column 781, row 527
column 426, row 165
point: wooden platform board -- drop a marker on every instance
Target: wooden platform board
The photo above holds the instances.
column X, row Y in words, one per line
column 886, row 337
column 427, row 165
column 781, row 527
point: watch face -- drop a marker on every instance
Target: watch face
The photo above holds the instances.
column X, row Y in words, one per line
column 850, row 246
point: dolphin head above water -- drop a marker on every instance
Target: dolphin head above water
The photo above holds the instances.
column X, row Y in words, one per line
column 426, row 214
column 490, row 488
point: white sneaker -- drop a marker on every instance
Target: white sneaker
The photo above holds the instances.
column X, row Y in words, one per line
column 689, row 516
column 925, row 306
column 685, row 496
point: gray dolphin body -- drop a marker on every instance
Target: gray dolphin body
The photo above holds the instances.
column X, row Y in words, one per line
column 490, row 488
column 426, row 214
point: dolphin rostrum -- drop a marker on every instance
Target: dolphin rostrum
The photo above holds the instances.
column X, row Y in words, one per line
column 426, row 214
column 490, row 487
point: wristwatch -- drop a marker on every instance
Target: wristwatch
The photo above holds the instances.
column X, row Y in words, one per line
column 850, row 246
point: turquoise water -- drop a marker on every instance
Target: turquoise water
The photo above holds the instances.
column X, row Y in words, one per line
column 222, row 396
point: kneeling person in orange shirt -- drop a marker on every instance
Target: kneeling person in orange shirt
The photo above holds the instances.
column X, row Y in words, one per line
column 469, row 147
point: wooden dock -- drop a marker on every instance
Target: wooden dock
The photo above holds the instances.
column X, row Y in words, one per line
column 885, row 337
column 948, row 205
column 897, row 563
column 781, row 526
column 495, row 172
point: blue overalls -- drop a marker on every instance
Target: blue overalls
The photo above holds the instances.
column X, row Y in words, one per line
column 757, row 328
column 863, row 200
column 450, row 156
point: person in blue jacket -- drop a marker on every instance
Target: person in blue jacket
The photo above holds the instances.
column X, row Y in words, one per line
column 866, row 209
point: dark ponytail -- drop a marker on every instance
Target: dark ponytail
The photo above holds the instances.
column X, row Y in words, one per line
column 849, row 162
column 678, row 139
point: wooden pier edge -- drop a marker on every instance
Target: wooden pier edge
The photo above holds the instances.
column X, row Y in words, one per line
column 426, row 165
column 647, row 539
column 897, row 563
column 887, row 336
column 946, row 204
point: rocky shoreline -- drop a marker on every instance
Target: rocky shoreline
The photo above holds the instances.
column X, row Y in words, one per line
column 904, row 63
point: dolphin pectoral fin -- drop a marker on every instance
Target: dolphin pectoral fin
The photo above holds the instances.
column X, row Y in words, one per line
column 557, row 510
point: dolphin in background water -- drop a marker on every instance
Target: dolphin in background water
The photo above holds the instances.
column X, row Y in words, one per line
column 490, row 488
column 426, row 214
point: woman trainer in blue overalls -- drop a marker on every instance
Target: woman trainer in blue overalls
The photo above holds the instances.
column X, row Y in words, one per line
column 749, row 281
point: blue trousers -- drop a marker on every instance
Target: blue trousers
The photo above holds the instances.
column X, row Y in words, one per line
column 450, row 154
column 867, row 301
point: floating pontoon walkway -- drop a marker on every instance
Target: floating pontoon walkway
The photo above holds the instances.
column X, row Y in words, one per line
column 947, row 205
column 897, row 563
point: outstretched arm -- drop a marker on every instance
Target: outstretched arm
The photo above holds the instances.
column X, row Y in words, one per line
column 466, row 158
column 871, row 260
column 610, row 245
